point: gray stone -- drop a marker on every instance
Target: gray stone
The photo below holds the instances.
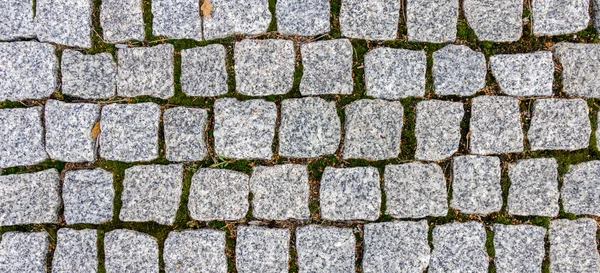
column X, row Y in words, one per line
column 580, row 190
column 325, row 249
column 310, row 127
column 176, row 19
column 16, row 19
column 492, row 20
column 195, row 251
column 69, row 130
column 458, row 70
column 229, row 17
column 392, row 73
column 459, row 247
column 88, row 196
column 184, row 130
column 28, row 70
column 65, row 22
column 431, row 21
column 146, row 71
column 370, row 20
column 75, row 251
column 88, row 76
column 573, row 246
column 24, row 252
column 129, row 132
column 527, row 74
column 260, row 249
column 476, row 185
column 122, row 20
column 244, row 129
column 203, row 71
column 21, row 137
column 519, row 248
column 580, row 68
column 534, row 187
column 152, row 193
column 350, row 194
column 559, row 124
column 327, row 67
column 396, row 247
column 303, row 17
column 280, row 192
column 558, row 17
column 495, row 125
column 437, row 129
column 415, row 190
column 217, row 194
column 596, row 11
column 130, row 251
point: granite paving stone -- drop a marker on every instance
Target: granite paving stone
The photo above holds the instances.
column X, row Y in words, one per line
column 280, row 192
column 229, row 17
column 518, row 248
column 16, row 19
column 527, row 74
column 327, row 68
column 65, row 22
column 437, row 129
column 533, row 187
column 88, row 196
column 24, row 252
column 303, row 17
column 152, row 193
column 392, row 73
column 476, row 185
column 218, row 194
column 310, row 127
column 325, row 249
column 431, row 21
column 176, row 19
column 580, row 68
column 415, row 190
column 88, row 76
column 146, row 71
column 497, row 21
column 203, row 71
column 184, row 132
column 244, row 129
column 458, row 70
column 559, row 124
column 580, row 190
column 75, row 251
column 350, row 194
column 21, row 137
column 122, row 20
column 129, row 132
column 495, row 125
column 396, row 247
column 264, row 67
column 459, row 247
column 370, row 20
column 558, row 17
column 130, row 251
column 596, row 10
column 573, row 246
column 261, row 249
column 195, row 251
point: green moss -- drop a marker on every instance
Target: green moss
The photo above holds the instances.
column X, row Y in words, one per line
column 273, row 23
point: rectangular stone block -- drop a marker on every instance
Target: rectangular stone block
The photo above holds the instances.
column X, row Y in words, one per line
column 476, row 185
column 229, row 17
column 88, row 196
column 573, row 246
column 261, row 249
column 218, row 194
column 88, row 76
column 580, row 191
column 580, row 68
column 75, row 251
column 184, row 132
column 493, row 20
column 458, row 70
column 432, row 21
column 146, row 71
column 327, row 67
column 176, row 19
column 21, row 137
column 65, row 22
column 534, row 187
column 528, row 74
column 495, row 125
column 392, row 73
column 122, row 20
column 519, row 248
column 16, row 19
column 459, row 247
column 130, row 251
column 303, row 17
column 24, row 252
column 325, row 249
column 203, row 71
column 370, row 20
column 437, row 129
column 558, row 17
column 350, row 194
column 195, row 251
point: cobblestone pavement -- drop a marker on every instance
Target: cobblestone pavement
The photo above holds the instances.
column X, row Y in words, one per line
column 299, row 136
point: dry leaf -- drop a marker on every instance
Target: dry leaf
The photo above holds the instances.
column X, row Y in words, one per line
column 96, row 130
column 206, row 8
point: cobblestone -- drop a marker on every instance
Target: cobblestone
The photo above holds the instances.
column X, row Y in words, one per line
column 122, row 20
column 184, row 130
column 176, row 19
column 16, row 20
column 395, row 73
column 24, row 252
column 229, row 17
column 88, row 196
column 130, row 251
column 21, row 137
column 558, row 17
column 88, row 76
column 370, row 20
column 218, row 195
column 325, row 249
column 431, row 20
column 534, row 187
column 437, row 129
column 75, row 251
column 146, row 71
column 580, row 190
column 498, row 21
column 476, row 184
column 65, row 22
column 528, row 74
column 580, row 68
column 327, row 67
column 195, row 251
column 459, row 247
column 303, row 17
column 495, row 125
column 260, row 249
column 203, row 71
column 518, row 248
column 458, row 70
column 573, row 246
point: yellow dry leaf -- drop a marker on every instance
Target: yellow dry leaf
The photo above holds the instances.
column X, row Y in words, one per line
column 96, row 130
column 206, row 8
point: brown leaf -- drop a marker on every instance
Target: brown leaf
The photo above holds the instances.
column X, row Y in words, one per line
column 96, row 130
column 206, row 8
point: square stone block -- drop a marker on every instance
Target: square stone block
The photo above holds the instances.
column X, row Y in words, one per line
column 350, row 194
column 580, row 68
column 261, row 249
column 370, row 20
column 176, row 19
column 476, row 185
column 458, row 70
column 21, row 137
column 437, row 129
column 203, row 72
column 519, row 248
column 303, row 17
column 122, row 20
column 218, row 194
column 65, row 22
column 88, row 196
column 75, row 251
column 130, row 251
column 229, row 17
column 528, row 74
column 534, row 187
column 88, row 76
column 325, row 249
column 573, row 246
column 493, row 20
column 184, row 131
column 327, row 68
column 459, row 247
column 24, row 252
column 16, row 19
column 431, row 21
column 392, row 73
column 580, row 190
column 558, row 17
column 195, row 251
column 146, row 71
column 495, row 125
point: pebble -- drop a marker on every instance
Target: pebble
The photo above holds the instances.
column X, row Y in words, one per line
column 65, row 22
column 437, row 129
column 558, row 17
column 580, row 190
column 303, row 17
column 122, row 20
column 203, row 71
column 75, row 251
column 533, row 187
column 16, row 20
column 184, row 133
column 176, row 19
column 130, row 251
column 524, row 75
column 146, row 71
column 580, row 68
column 370, row 20
column 458, row 70
column 459, row 247
column 476, row 185
column 392, row 73
column 24, row 252
column 573, row 246
column 431, row 21
column 21, row 137
column 327, row 68
column 495, row 125
column 519, row 248
column 88, row 196
column 229, row 17
column 261, row 249
column 497, row 21
column 218, row 194
column 195, row 251
column 325, row 249
column 88, row 76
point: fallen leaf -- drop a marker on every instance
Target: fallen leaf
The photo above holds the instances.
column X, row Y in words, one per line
column 96, row 130
column 206, row 8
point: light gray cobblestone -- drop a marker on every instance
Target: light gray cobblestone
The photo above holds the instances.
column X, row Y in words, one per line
column 218, row 194
column 573, row 246
column 195, row 251
column 24, row 252
column 392, row 73
column 580, row 190
column 458, row 70
column 476, row 185
column 122, row 20
column 325, row 249
column 459, row 247
column 203, row 71
column 65, row 22
column 130, row 251
column 370, row 20
column 21, row 137
column 437, row 129
column 495, row 125
column 431, row 21
column 176, row 19
column 88, row 76
column 75, row 251
column 528, row 74
column 558, row 17
column 519, row 248
column 580, row 68
column 146, row 71
column 533, row 187
column 492, row 20
column 303, row 17
column 88, row 196
column 327, row 68
column 261, row 249
column 16, row 19
column 229, row 17
column 184, row 132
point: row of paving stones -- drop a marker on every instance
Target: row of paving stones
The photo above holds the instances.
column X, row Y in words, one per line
column 388, row 247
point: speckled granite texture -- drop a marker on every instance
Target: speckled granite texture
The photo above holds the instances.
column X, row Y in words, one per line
column 558, row 17
column 122, row 20
column 195, row 251
column 534, row 187
column 176, row 19
column 476, row 184
column 327, row 67
column 493, row 20
column 16, row 19
column 326, row 249
column 229, row 17
column 518, row 248
column 458, row 70
column 431, row 21
column 88, row 76
column 65, row 22
column 580, row 190
column 580, row 68
column 146, row 71
column 495, row 125
column 21, row 137
column 217, row 194
column 303, row 17
column 573, row 246
column 184, row 133
column 24, row 252
column 437, row 129
column 370, row 20
column 130, row 251
column 76, row 251
column 527, row 74
column 88, row 196
column 203, row 71
column 261, row 249
column 392, row 73
column 469, row 237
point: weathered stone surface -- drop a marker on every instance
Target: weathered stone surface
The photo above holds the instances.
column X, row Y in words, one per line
column 476, row 184
column 16, row 19
column 184, row 133
column 303, row 17
column 350, row 194
column 218, row 194
column 534, row 187
column 264, row 67
column 459, row 247
column 325, row 249
column 88, row 76
column 129, row 132
column 229, row 17
column 558, row 17
column 24, row 252
column 176, row 19
column 327, row 67
column 310, row 127
column 21, row 137
column 492, row 20
column 88, row 196
column 495, row 125
column 415, row 190
column 28, row 70
column 458, row 70
column 65, row 22
column 437, row 129
column 392, row 73
column 370, row 20
column 146, row 71
column 396, row 247
column 559, row 124
column 519, row 248
column 573, row 246
column 122, row 20
column 280, row 192
column 203, row 71
column 527, row 74
column 431, row 20
column 261, row 249
column 580, row 68
column 75, row 251
column 244, row 129
column 130, row 251
column 580, row 190
column 195, row 251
